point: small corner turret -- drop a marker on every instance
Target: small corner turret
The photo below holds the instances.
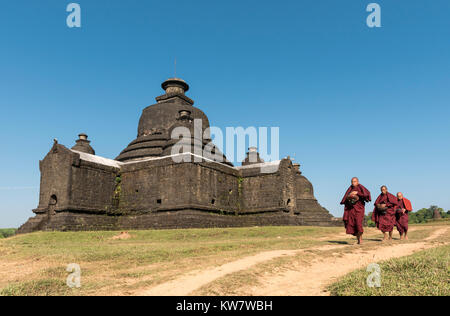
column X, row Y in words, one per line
column 83, row 145
column 252, row 157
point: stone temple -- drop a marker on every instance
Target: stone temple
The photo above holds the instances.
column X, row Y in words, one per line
column 146, row 188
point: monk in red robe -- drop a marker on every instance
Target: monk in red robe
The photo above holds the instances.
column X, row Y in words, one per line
column 402, row 218
column 354, row 201
column 384, row 213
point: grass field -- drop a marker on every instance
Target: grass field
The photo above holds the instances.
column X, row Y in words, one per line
column 238, row 283
column 426, row 273
column 35, row 264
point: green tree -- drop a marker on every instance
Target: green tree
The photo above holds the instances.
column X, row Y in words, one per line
column 368, row 220
column 423, row 215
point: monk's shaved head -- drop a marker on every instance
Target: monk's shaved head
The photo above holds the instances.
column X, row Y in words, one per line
column 384, row 189
column 400, row 195
column 355, row 181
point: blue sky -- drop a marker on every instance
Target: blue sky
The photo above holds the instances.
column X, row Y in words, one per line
column 349, row 100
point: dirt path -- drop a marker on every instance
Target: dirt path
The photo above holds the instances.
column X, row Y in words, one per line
column 313, row 279
column 196, row 279
column 310, row 280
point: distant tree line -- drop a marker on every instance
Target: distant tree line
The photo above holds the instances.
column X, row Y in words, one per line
column 7, row 232
column 423, row 215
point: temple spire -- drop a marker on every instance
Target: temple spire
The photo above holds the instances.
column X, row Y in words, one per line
column 175, row 88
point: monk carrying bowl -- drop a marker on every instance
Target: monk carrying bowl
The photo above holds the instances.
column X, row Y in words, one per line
column 353, row 198
column 382, row 208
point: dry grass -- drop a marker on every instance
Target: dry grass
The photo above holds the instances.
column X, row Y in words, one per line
column 34, row 264
column 425, row 273
column 239, row 283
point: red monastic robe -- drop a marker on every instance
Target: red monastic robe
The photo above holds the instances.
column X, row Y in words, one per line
column 385, row 222
column 354, row 213
column 403, row 218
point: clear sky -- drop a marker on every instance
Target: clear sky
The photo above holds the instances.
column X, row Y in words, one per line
column 349, row 99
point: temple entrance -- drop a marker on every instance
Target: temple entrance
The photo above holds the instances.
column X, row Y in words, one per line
column 290, row 206
column 52, row 205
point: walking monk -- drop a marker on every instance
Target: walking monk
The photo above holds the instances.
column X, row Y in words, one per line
column 402, row 218
column 384, row 213
column 355, row 206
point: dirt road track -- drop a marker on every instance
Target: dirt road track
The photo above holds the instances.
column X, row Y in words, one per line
column 309, row 280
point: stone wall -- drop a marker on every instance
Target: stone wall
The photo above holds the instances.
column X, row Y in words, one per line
column 163, row 184
column 162, row 193
column 261, row 193
column 69, row 183
column 92, row 187
column 56, row 174
column 72, row 221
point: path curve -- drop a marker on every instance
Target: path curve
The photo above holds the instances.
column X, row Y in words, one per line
column 314, row 279
column 311, row 280
column 192, row 281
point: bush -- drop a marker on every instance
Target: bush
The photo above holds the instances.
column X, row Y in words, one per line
column 368, row 220
column 423, row 215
